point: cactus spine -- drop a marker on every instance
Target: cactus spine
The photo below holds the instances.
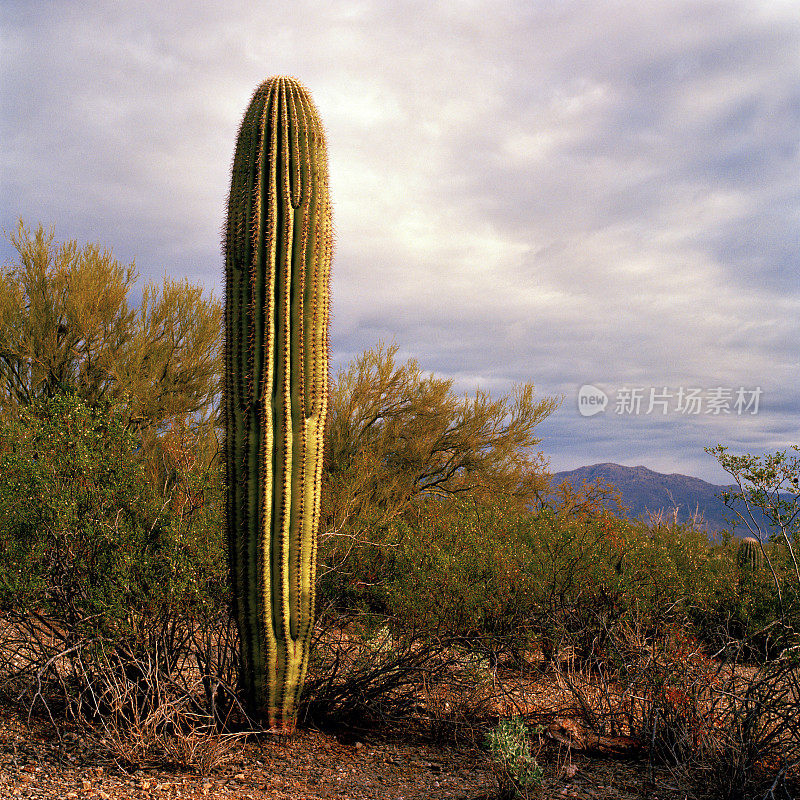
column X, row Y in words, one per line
column 278, row 245
column 749, row 555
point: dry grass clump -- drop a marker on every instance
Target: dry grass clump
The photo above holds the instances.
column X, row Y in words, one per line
column 731, row 730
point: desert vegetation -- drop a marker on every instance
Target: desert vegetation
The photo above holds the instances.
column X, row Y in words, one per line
column 458, row 595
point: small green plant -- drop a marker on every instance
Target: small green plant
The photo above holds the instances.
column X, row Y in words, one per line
column 381, row 639
column 516, row 769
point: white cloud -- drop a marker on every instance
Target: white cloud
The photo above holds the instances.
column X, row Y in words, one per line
column 557, row 192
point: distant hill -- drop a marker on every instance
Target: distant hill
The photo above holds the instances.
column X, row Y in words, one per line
column 645, row 491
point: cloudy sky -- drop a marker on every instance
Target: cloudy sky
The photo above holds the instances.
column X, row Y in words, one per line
column 596, row 194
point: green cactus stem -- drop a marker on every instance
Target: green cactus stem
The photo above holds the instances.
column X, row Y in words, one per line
column 278, row 245
column 749, row 555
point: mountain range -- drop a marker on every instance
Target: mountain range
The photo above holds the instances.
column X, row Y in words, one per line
column 645, row 492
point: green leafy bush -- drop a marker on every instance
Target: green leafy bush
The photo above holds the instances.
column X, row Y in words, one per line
column 105, row 579
column 76, row 538
column 586, row 576
column 453, row 569
column 457, row 569
column 502, row 578
column 85, row 539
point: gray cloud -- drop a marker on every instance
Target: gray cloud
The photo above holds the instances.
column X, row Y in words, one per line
column 565, row 193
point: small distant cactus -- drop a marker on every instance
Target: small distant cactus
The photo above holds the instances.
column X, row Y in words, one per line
column 750, row 556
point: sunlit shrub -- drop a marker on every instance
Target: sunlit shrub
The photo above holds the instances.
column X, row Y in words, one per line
column 459, row 569
column 103, row 578
column 85, row 538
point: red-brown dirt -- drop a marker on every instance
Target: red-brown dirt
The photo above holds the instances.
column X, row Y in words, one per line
column 312, row 765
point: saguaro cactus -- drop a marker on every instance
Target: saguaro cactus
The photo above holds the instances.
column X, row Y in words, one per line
column 749, row 555
column 278, row 244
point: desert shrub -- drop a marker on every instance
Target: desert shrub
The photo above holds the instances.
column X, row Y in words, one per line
column 104, row 581
column 76, row 538
column 85, row 538
column 752, row 748
column 711, row 688
column 754, row 611
column 743, row 606
column 401, row 447
column 588, row 575
column 500, row 576
column 453, row 568
column 353, row 566
column 569, row 574
column 361, row 670
column 459, row 571
column 733, row 731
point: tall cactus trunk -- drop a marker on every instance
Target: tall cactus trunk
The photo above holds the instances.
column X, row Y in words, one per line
column 278, row 244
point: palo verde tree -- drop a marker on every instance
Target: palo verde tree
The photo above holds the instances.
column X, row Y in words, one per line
column 396, row 435
column 278, row 244
column 66, row 326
